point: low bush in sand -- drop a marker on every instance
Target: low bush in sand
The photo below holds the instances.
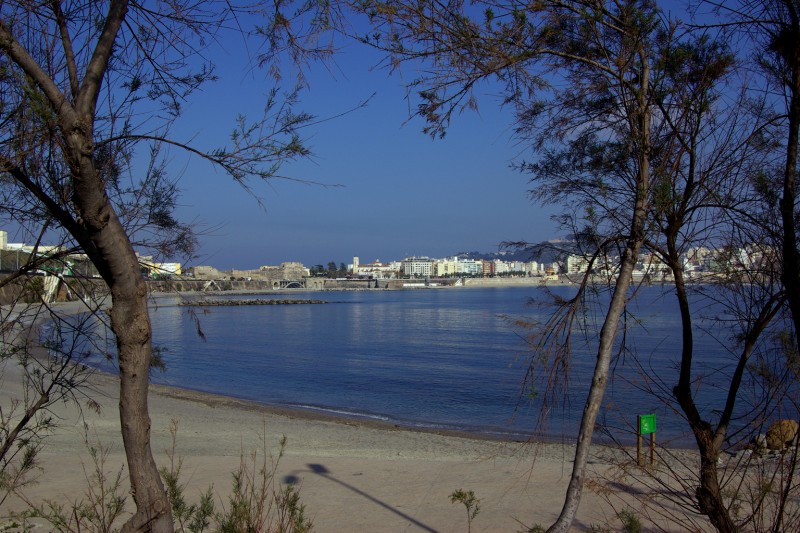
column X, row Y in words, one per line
column 257, row 503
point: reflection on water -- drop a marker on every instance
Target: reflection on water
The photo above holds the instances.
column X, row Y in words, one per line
column 438, row 358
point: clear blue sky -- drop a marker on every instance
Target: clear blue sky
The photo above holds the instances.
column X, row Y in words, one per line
column 401, row 192
column 394, row 192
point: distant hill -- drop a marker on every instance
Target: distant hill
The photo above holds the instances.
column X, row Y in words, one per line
column 543, row 252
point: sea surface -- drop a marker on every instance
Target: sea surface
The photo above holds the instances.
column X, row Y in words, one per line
column 447, row 358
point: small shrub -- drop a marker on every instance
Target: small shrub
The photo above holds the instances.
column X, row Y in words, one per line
column 258, row 504
column 291, row 513
column 188, row 518
column 630, row 522
column 101, row 507
column 470, row 502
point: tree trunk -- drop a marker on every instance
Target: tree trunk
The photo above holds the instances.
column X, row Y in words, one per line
column 107, row 244
column 790, row 274
column 791, row 256
column 131, row 325
column 96, row 227
column 708, row 493
column 105, row 241
column 597, row 389
column 608, row 332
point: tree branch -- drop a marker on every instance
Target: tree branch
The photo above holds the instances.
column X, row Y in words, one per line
column 90, row 88
column 63, row 216
column 66, row 42
column 20, row 56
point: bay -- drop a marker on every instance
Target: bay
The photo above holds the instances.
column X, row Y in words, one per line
column 440, row 358
column 452, row 359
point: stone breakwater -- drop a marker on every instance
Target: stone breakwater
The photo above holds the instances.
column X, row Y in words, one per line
column 271, row 301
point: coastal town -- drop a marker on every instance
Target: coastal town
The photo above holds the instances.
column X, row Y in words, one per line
column 700, row 262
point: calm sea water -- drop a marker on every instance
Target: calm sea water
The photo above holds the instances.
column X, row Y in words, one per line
column 437, row 358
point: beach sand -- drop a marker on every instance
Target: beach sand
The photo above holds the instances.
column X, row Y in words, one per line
column 351, row 475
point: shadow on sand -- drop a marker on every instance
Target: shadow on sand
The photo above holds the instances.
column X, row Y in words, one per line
column 322, row 470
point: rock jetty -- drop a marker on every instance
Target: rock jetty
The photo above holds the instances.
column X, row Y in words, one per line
column 217, row 303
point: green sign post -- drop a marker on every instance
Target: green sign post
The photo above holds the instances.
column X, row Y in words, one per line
column 647, row 426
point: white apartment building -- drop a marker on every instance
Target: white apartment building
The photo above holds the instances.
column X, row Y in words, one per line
column 453, row 266
column 418, row 266
column 520, row 266
column 576, row 264
column 502, row 267
column 472, row 267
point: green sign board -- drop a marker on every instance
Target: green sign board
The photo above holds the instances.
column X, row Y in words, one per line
column 647, row 424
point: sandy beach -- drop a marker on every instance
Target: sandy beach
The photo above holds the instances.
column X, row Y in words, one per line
column 352, row 475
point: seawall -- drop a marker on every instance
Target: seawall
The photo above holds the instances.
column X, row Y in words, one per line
column 508, row 282
column 31, row 288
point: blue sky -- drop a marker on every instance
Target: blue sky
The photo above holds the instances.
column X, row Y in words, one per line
column 394, row 192
column 401, row 193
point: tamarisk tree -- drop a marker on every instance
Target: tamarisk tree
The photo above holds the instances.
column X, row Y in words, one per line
column 615, row 99
column 85, row 88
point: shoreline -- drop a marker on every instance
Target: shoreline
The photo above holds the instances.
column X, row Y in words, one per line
column 319, row 413
column 536, row 436
column 351, row 475
column 322, row 414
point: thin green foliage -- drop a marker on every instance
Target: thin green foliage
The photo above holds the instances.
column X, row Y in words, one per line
column 188, row 518
column 258, row 503
column 102, row 505
column 291, row 513
column 470, row 502
column 630, row 522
